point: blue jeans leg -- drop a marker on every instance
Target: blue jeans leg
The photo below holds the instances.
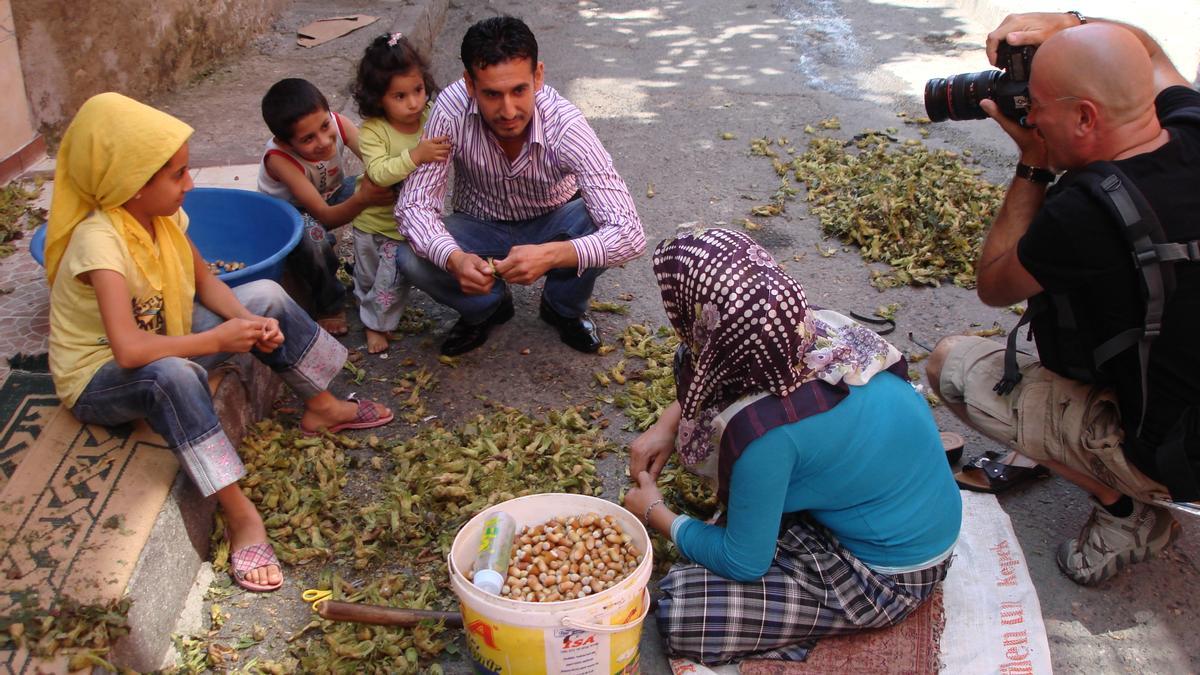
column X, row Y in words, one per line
column 566, row 291
column 308, row 359
column 172, row 395
column 315, row 263
column 473, row 236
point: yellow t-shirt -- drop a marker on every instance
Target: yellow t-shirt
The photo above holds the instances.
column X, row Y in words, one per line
column 385, row 153
column 78, row 342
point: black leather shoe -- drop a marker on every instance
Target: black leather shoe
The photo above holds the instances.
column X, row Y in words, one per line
column 578, row 332
column 463, row 337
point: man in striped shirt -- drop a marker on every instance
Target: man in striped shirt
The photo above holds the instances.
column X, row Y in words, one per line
column 535, row 194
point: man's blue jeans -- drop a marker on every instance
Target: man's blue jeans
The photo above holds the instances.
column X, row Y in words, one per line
column 566, row 292
column 172, row 393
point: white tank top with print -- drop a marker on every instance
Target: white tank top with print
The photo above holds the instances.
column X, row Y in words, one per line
column 326, row 176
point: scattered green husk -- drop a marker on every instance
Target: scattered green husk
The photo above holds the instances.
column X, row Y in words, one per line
column 888, row 311
column 17, row 212
column 413, row 322
column 83, row 632
column 647, row 391
column 609, row 307
column 423, row 490
column 921, row 211
column 338, row 647
column 407, row 388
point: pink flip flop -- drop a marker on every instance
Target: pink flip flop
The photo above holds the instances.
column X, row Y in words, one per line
column 245, row 560
column 367, row 417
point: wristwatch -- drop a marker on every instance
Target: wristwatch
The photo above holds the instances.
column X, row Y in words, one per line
column 1035, row 174
column 1077, row 15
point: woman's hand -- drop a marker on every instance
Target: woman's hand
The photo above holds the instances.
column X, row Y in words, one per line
column 650, row 451
column 638, row 499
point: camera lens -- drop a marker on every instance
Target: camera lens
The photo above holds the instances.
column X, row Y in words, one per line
column 957, row 97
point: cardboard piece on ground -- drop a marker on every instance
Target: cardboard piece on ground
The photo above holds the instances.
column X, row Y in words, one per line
column 323, row 30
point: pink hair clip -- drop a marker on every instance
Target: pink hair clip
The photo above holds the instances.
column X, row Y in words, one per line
column 394, row 38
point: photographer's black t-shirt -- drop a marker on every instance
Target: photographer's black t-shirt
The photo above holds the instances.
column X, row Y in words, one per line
column 1074, row 246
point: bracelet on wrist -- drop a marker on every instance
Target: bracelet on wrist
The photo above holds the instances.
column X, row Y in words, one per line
column 1035, row 174
column 650, row 509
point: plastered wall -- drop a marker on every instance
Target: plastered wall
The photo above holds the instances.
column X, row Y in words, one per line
column 16, row 126
column 72, row 49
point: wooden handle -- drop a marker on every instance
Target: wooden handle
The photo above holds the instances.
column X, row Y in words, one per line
column 384, row 616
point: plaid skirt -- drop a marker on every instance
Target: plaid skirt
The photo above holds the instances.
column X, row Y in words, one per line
column 813, row 589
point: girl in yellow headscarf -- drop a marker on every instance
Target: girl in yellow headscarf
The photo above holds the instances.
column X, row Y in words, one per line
column 136, row 318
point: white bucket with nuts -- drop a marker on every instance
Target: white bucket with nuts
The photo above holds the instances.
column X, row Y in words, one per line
column 576, row 593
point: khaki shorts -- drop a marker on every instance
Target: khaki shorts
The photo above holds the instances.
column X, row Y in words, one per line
column 1046, row 417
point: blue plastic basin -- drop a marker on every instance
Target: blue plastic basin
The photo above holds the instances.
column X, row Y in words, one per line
column 234, row 226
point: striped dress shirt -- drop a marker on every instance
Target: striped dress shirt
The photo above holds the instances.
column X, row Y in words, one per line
column 561, row 155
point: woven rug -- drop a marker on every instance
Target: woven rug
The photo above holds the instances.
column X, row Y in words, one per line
column 27, row 400
column 912, row 646
column 77, row 502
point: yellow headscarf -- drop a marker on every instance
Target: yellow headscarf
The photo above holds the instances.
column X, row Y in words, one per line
column 113, row 147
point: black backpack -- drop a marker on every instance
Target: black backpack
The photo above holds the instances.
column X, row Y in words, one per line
column 1065, row 348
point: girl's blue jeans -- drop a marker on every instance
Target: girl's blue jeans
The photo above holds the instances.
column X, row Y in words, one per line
column 172, row 393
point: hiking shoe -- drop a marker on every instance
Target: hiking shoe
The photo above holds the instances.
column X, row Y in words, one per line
column 1108, row 543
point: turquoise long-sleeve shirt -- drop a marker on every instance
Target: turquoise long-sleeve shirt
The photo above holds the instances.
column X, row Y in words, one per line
column 872, row 470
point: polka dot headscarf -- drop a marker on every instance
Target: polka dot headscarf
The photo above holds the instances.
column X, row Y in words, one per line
column 748, row 330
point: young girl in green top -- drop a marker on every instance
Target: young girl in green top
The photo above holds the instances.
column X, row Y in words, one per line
column 392, row 92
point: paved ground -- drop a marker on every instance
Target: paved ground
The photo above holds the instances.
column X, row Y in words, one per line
column 660, row 82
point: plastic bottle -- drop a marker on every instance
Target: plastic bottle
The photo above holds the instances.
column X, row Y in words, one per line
column 495, row 549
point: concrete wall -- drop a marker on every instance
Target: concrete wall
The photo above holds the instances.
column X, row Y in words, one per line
column 16, row 125
column 72, row 49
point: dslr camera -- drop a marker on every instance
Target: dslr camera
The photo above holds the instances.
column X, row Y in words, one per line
column 957, row 97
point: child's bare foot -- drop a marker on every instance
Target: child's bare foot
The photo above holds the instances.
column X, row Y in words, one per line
column 245, row 528
column 324, row 411
column 334, row 324
column 376, row 341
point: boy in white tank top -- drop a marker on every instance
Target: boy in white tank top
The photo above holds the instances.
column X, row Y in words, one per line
column 304, row 164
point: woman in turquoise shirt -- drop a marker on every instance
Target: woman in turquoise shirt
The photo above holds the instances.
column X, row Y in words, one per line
column 841, row 511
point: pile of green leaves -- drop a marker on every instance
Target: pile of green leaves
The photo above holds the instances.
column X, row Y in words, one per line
column 442, row 477
column 17, row 212
column 85, row 633
column 645, row 391
column 648, row 389
column 921, row 211
column 338, row 647
column 420, row 493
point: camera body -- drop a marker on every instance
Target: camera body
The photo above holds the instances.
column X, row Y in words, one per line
column 957, row 97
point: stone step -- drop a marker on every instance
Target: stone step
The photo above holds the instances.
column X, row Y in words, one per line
column 95, row 514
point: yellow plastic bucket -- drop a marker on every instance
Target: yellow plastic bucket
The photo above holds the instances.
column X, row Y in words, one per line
column 592, row 635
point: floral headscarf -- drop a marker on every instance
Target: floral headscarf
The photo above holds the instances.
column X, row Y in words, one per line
column 749, row 330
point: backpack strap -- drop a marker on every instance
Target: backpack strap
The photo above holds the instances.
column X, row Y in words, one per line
column 1012, row 373
column 1143, row 231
